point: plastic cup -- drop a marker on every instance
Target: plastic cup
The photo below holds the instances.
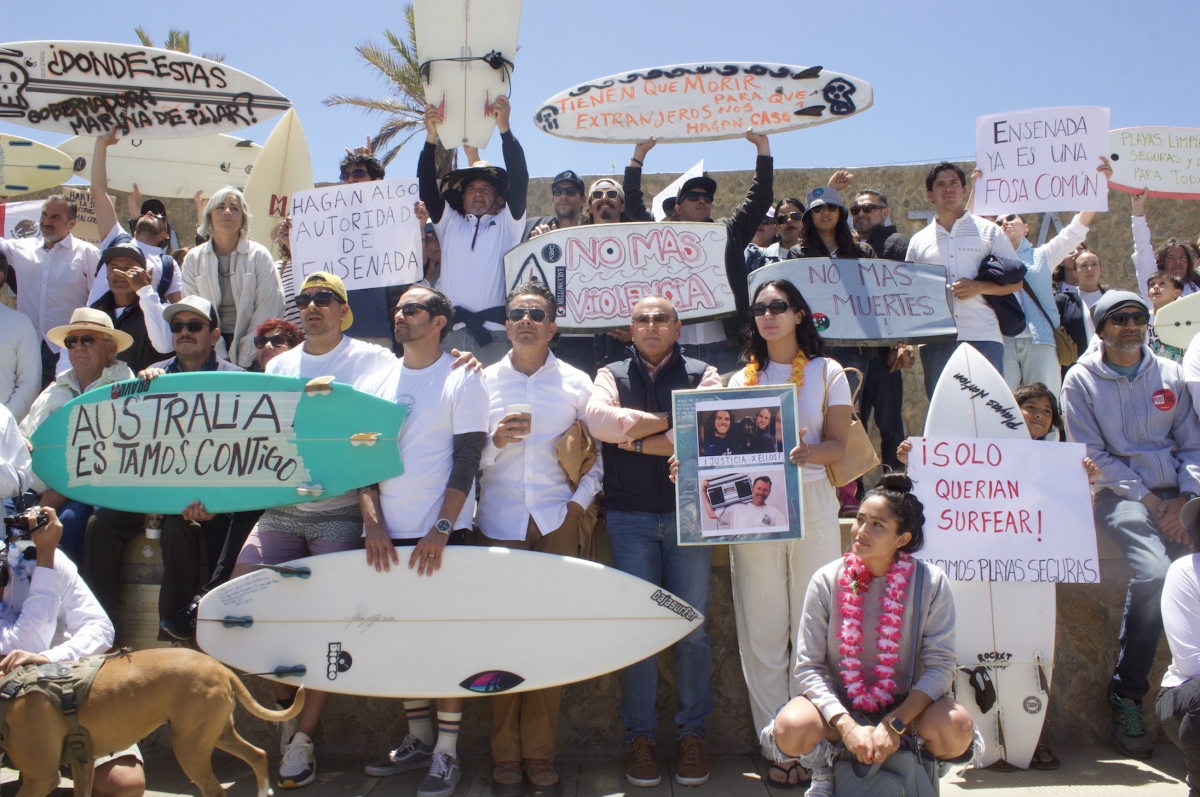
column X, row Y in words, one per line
column 523, row 409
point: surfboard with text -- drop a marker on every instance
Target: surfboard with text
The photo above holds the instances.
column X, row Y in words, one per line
column 233, row 441
column 27, row 166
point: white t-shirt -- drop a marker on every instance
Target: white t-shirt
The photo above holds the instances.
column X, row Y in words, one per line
column 1181, row 619
column 442, row 402
column 473, row 258
column 808, row 402
column 351, row 362
column 748, row 516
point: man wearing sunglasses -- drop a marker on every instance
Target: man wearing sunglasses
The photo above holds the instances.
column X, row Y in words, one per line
column 568, row 198
column 1134, row 413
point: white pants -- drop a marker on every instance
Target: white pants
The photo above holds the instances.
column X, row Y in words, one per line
column 1026, row 362
column 769, row 583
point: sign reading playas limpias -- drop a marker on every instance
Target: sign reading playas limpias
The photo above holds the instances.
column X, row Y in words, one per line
column 598, row 272
column 1005, row 510
column 365, row 233
column 875, row 302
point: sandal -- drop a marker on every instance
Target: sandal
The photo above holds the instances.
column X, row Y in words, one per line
column 1051, row 763
column 787, row 782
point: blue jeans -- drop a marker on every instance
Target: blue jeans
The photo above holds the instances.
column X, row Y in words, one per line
column 1149, row 554
column 882, row 392
column 722, row 355
column 645, row 545
column 73, row 516
column 934, row 357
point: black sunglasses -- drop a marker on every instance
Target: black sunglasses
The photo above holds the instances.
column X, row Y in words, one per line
column 355, row 173
column 320, row 299
column 195, row 327
column 696, row 196
column 784, row 218
column 87, row 341
column 410, row 309
column 1121, row 319
column 568, row 190
column 865, row 207
column 1006, row 219
column 777, row 307
column 536, row 313
column 260, row 341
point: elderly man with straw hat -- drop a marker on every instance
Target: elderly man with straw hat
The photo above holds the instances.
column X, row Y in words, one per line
column 92, row 346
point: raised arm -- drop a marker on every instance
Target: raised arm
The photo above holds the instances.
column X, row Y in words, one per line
column 106, row 213
column 1144, row 263
column 427, row 180
column 514, row 160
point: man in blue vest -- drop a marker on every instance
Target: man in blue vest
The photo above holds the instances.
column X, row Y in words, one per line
column 630, row 412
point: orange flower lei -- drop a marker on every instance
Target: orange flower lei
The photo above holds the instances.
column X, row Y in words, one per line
column 799, row 362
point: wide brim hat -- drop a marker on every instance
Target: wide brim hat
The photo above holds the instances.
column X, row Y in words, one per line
column 455, row 182
column 86, row 319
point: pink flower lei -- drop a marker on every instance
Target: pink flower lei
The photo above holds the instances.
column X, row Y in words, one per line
column 854, row 580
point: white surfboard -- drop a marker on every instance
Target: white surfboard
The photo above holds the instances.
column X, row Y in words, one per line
column 27, row 166
column 1165, row 160
column 702, row 102
column 1007, row 627
column 452, row 35
column 169, row 167
column 491, row 620
column 1178, row 322
column 91, row 88
column 283, row 167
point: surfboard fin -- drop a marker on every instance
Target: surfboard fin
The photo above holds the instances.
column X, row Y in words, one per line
column 237, row 622
column 364, row 438
column 289, row 572
column 310, row 489
column 321, row 386
column 1043, row 684
column 810, row 110
column 297, row 671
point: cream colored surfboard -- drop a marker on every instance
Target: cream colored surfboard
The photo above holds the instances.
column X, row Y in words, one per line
column 169, row 167
column 1178, row 322
column 27, row 166
column 283, row 168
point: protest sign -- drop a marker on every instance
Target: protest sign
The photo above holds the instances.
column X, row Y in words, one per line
column 365, row 233
column 1005, row 510
column 868, row 302
column 656, row 206
column 1165, row 160
column 20, row 219
column 1041, row 160
column 735, row 483
column 702, row 102
column 598, row 272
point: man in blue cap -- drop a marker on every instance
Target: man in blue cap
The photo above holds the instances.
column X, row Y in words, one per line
column 568, row 198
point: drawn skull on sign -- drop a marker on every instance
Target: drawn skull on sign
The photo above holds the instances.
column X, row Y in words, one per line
column 545, row 118
column 13, row 79
column 837, row 93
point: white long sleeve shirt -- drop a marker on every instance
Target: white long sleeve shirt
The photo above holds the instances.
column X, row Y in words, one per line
column 51, row 612
column 16, row 467
column 961, row 249
column 20, row 362
column 53, row 282
column 524, row 478
column 1144, row 262
column 1181, row 619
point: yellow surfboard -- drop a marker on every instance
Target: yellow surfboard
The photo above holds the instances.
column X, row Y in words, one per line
column 27, row 166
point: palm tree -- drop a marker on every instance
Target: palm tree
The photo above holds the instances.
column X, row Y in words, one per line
column 178, row 40
column 404, row 106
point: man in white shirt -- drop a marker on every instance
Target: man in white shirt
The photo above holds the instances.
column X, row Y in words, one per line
column 961, row 242
column 526, row 502
column 431, row 504
column 48, row 615
column 20, row 359
column 55, row 272
column 757, row 514
column 16, row 467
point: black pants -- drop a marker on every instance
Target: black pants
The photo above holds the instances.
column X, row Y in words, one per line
column 1179, row 712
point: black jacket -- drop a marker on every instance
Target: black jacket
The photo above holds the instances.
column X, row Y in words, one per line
column 887, row 243
column 1070, row 310
column 132, row 322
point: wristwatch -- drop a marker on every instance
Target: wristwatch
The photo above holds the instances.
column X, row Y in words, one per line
column 637, row 446
column 894, row 723
column 444, row 526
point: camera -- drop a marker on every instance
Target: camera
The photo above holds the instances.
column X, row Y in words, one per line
column 17, row 530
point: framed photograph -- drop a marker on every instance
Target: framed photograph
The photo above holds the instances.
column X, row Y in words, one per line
column 735, row 483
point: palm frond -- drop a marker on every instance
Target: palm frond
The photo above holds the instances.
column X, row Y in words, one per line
column 218, row 57
column 143, row 37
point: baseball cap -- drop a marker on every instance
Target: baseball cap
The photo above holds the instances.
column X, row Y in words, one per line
column 323, row 279
column 568, row 177
column 1112, row 301
column 124, row 250
column 154, row 206
column 701, row 183
column 606, row 183
column 822, row 195
column 193, row 304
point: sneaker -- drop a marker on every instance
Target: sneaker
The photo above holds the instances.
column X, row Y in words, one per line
column 821, row 784
column 299, row 765
column 691, row 768
column 640, row 767
column 287, row 729
column 543, row 780
column 182, row 624
column 507, row 780
column 411, row 754
column 443, row 776
column 1129, row 728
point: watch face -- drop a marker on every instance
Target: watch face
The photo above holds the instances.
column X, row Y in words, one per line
column 444, row 526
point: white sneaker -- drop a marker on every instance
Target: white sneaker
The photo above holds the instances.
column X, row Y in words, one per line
column 821, row 784
column 299, row 765
column 287, row 729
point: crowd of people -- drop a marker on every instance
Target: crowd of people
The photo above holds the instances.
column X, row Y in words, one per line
column 493, row 391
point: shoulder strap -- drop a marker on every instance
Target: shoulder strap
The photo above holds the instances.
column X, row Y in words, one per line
column 1030, row 294
column 168, row 273
column 918, row 590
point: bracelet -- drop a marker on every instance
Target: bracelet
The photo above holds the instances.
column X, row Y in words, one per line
column 635, row 160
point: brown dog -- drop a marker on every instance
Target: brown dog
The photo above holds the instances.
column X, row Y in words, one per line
column 131, row 696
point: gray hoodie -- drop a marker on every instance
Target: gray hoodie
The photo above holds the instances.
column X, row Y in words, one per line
column 1143, row 435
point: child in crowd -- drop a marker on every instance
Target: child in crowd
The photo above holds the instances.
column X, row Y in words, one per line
column 1162, row 288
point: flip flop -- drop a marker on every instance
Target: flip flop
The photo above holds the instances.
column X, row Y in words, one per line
column 786, row 783
column 1044, row 749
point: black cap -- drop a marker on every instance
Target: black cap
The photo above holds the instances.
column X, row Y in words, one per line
column 702, row 183
column 568, row 177
column 129, row 250
column 154, row 206
column 668, row 205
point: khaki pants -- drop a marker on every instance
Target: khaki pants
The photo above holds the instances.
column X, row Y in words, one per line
column 525, row 724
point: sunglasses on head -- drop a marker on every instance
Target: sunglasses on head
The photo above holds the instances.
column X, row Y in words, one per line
column 865, row 207
column 537, row 314
column 87, row 341
column 777, row 307
column 696, row 196
column 784, row 218
column 194, row 327
column 320, row 299
column 260, row 341
column 565, row 190
column 1121, row 319
column 409, row 310
column 611, row 193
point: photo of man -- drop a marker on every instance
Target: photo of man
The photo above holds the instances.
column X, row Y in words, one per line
column 730, row 508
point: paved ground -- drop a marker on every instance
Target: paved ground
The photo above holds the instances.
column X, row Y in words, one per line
column 1092, row 771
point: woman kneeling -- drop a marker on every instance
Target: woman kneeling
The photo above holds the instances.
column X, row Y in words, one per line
column 866, row 679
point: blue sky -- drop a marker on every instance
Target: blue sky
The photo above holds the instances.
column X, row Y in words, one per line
column 934, row 65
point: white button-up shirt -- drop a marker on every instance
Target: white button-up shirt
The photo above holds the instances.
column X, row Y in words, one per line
column 52, row 283
column 20, row 362
column 961, row 250
column 51, row 611
column 524, row 479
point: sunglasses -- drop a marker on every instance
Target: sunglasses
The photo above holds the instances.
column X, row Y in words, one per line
column 566, row 190
column 194, row 327
column 1006, row 219
column 865, row 207
column 410, row 309
column 356, row 173
column 827, row 208
column 611, row 193
column 87, row 341
column 1121, row 319
column 696, row 196
column 537, row 314
column 320, row 299
column 643, row 320
column 777, row 307
column 276, row 341
column 784, row 218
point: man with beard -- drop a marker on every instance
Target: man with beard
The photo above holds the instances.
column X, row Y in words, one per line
column 567, row 197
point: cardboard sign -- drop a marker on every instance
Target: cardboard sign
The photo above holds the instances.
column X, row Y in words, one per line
column 672, row 190
column 21, row 219
column 1041, row 160
column 365, row 233
column 1005, row 510
column 1165, row 160
column 869, row 302
column 599, row 272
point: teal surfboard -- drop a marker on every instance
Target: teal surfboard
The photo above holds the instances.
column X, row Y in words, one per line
column 233, row 441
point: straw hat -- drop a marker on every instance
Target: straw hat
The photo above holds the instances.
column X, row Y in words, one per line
column 85, row 319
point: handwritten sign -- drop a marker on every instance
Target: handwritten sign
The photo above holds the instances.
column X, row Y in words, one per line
column 1164, row 159
column 1005, row 510
column 702, row 102
column 1041, row 160
column 365, row 233
column 599, row 272
column 868, row 302
column 20, row 219
column 672, row 190
column 90, row 88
